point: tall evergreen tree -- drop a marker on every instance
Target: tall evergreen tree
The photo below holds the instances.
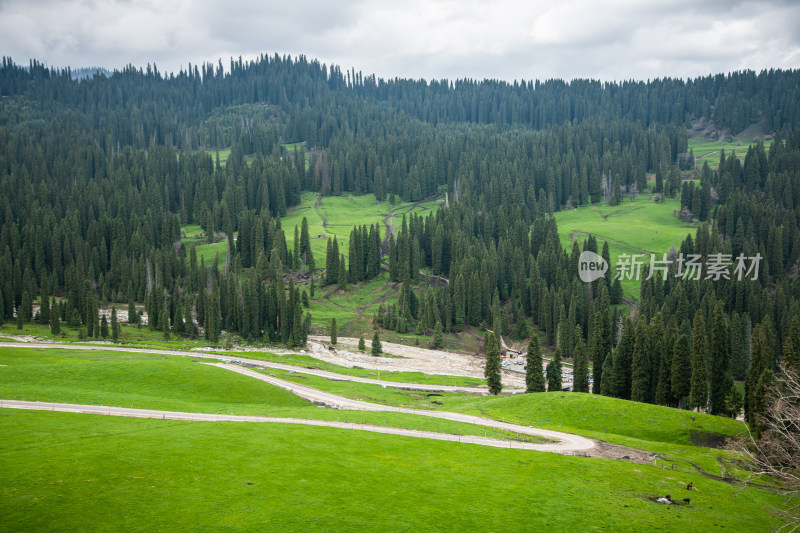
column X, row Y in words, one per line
column 55, row 320
column 334, row 336
column 115, row 327
column 698, row 393
column 640, row 366
column 377, row 349
column 492, row 368
column 721, row 381
column 607, row 384
column 580, row 364
column 791, row 346
column 601, row 346
column 681, row 369
column 623, row 358
column 437, row 335
column 534, row 372
column 554, row 372
column 760, row 361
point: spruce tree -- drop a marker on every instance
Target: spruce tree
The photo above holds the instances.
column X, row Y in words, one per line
column 721, row 381
column 580, row 372
column 298, row 324
column 55, row 319
column 534, row 373
column 133, row 315
column 640, row 365
column 492, row 368
column 698, row 393
column 667, row 338
column 791, row 346
column 760, row 361
column 114, row 325
column 377, row 349
column 758, row 408
column 601, row 346
column 623, row 357
column 104, row 327
column 437, row 335
column 361, row 344
column 681, row 374
column 606, row 387
column 178, row 324
column 334, row 333
column 342, row 276
column 554, row 372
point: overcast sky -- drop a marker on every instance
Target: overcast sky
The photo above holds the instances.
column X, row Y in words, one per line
column 505, row 39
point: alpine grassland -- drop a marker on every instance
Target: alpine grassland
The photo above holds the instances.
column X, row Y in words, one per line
column 638, row 226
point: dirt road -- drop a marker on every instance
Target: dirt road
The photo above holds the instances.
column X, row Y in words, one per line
column 565, row 441
column 259, row 363
column 200, row 417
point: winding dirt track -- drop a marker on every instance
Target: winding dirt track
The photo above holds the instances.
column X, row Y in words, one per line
column 565, row 443
column 260, row 363
column 200, row 417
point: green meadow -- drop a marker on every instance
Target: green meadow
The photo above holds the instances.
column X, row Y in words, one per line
column 705, row 149
column 175, row 383
column 92, row 473
column 337, row 215
column 639, row 226
column 78, row 472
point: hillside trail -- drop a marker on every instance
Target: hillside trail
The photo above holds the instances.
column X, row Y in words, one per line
column 568, row 446
column 567, row 443
column 317, row 205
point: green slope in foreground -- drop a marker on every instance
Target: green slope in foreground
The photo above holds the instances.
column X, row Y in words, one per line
column 75, row 472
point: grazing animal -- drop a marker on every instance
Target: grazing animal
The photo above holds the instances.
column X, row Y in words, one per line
column 686, row 501
column 689, row 486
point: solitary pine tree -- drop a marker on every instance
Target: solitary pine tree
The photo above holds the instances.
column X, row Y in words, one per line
column 361, row 344
column 534, row 374
column 334, row 338
column 377, row 349
column 681, row 375
column 554, row 372
column 580, row 364
column 492, row 369
column 114, row 325
column 437, row 335
column 698, row 393
column 104, row 327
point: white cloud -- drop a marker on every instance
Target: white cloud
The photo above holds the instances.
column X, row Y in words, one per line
column 508, row 39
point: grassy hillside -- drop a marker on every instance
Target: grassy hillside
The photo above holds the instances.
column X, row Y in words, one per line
column 638, row 226
column 336, row 215
column 176, row 383
column 82, row 472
